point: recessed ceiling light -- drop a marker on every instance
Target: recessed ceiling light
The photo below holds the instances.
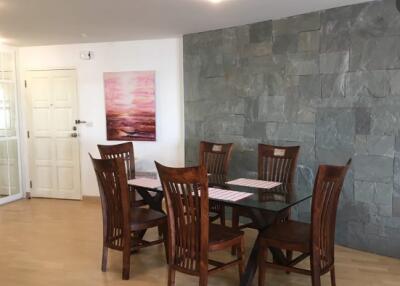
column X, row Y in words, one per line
column 216, row 1
column 3, row 40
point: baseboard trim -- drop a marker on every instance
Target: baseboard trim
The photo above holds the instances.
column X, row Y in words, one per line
column 91, row 198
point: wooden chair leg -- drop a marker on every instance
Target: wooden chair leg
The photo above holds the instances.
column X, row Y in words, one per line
column 315, row 271
column 160, row 232
column 315, row 279
column 262, row 257
column 289, row 257
column 203, row 274
column 126, row 263
column 235, row 218
column 171, row 276
column 104, row 259
column 235, row 225
column 203, row 279
column 222, row 216
column 233, row 250
column 241, row 257
column 333, row 278
column 164, row 231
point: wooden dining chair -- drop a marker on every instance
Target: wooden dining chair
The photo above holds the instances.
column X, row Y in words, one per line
column 120, row 220
column 215, row 157
column 126, row 152
column 275, row 163
column 315, row 240
column 190, row 235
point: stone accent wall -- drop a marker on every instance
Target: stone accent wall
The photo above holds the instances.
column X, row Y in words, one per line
column 328, row 81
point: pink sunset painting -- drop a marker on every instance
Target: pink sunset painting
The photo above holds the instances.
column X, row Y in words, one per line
column 130, row 105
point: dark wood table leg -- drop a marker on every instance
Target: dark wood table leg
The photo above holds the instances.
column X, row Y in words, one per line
column 154, row 202
column 251, row 266
column 261, row 222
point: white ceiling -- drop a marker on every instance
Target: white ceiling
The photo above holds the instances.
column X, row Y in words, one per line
column 45, row 22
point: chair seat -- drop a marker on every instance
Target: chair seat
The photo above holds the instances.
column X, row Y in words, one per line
column 221, row 237
column 290, row 235
column 142, row 218
column 138, row 203
column 213, row 216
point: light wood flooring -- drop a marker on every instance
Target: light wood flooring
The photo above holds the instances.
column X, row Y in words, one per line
column 55, row 242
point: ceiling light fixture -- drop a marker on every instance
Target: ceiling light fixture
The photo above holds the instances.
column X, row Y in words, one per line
column 215, row 1
column 3, row 40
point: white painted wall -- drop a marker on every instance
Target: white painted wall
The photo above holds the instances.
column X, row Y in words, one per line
column 163, row 56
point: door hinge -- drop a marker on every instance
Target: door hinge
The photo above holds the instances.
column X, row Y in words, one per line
column 30, row 184
column 28, row 134
column 26, row 84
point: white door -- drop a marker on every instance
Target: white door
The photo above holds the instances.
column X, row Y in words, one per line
column 53, row 138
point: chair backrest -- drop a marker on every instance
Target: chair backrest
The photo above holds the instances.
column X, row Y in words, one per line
column 113, row 186
column 186, row 194
column 327, row 187
column 277, row 163
column 124, row 151
column 215, row 157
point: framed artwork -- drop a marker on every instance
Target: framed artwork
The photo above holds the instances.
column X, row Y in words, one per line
column 130, row 105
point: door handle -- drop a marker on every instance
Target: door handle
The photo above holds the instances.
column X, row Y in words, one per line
column 74, row 135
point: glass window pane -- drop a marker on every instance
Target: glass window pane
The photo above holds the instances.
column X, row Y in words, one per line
column 7, row 66
column 7, row 110
column 4, row 181
column 1, row 66
column 9, row 161
column 14, row 166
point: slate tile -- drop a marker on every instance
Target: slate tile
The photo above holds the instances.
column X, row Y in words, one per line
column 364, row 84
column 309, row 41
column 260, row 32
column 377, row 18
column 373, row 168
column 295, row 24
column 272, row 108
column 255, row 130
column 337, row 62
column 363, row 121
column 375, row 53
column 285, row 44
column 303, row 64
column 333, row 85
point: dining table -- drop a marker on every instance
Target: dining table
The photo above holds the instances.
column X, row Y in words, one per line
column 264, row 206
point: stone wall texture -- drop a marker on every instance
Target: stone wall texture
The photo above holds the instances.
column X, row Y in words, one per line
column 328, row 81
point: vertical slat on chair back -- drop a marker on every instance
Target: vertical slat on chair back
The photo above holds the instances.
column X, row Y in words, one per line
column 277, row 163
column 215, row 157
column 124, row 151
column 112, row 181
column 327, row 188
column 186, row 193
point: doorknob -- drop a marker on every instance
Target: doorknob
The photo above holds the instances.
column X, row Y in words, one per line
column 78, row 121
column 74, row 135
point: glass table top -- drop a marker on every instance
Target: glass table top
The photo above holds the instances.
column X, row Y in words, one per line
column 276, row 199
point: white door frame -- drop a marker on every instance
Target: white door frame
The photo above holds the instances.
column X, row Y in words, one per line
column 26, row 116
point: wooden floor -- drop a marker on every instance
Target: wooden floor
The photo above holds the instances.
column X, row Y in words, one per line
column 55, row 242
